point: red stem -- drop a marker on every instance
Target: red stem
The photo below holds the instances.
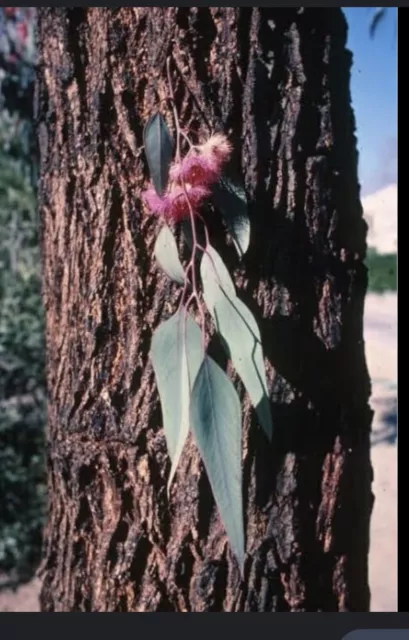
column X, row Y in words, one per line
column 196, row 246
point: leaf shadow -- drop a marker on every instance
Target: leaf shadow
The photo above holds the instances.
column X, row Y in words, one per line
column 318, row 391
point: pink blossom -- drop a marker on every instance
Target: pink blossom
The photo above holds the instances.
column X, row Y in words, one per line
column 218, row 147
column 196, row 169
column 200, row 168
column 203, row 165
column 174, row 205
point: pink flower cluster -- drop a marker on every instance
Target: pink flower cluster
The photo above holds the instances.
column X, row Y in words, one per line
column 190, row 180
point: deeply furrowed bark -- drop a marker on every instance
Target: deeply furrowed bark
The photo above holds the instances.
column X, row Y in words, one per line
column 277, row 82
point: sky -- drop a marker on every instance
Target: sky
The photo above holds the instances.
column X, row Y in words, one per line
column 374, row 96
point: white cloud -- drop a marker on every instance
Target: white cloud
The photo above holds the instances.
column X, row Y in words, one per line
column 381, row 214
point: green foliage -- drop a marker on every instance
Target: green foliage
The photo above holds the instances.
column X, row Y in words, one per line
column 378, row 15
column 195, row 392
column 22, row 388
column 22, row 394
column 215, row 415
column 382, row 271
column 238, row 328
column 158, row 150
column 230, row 197
column 166, row 253
column 216, row 279
column 177, row 353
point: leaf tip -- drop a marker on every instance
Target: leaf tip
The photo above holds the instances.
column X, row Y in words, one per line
column 168, row 488
column 241, row 569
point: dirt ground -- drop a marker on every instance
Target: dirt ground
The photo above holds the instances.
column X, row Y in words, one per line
column 381, row 349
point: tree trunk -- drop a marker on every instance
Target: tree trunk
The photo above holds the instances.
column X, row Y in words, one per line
column 277, row 82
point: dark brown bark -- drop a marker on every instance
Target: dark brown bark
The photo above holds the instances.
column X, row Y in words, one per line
column 277, row 81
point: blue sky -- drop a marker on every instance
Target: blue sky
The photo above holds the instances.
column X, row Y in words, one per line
column 374, row 96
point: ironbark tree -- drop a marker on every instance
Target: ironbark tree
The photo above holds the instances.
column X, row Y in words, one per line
column 277, row 82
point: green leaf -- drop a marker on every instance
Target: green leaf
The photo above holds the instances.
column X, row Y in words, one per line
column 376, row 19
column 230, row 198
column 215, row 416
column 176, row 353
column 158, row 150
column 215, row 278
column 166, row 253
column 237, row 325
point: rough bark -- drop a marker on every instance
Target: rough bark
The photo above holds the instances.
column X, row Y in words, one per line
column 277, row 81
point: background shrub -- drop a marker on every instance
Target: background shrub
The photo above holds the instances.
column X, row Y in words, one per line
column 22, row 386
column 382, row 271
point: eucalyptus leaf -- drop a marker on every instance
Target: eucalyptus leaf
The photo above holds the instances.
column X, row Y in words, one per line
column 230, row 198
column 166, row 253
column 158, row 150
column 176, row 353
column 215, row 278
column 378, row 15
column 215, row 416
column 237, row 325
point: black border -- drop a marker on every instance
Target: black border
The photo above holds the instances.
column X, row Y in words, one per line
column 317, row 626
column 240, row 3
